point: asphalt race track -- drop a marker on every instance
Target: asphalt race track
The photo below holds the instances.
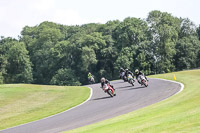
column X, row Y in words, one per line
column 101, row 106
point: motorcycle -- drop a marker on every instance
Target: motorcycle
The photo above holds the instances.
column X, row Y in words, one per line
column 142, row 80
column 125, row 78
column 122, row 75
column 130, row 79
column 109, row 89
column 91, row 80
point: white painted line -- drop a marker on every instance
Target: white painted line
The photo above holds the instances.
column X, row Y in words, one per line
column 182, row 85
column 91, row 93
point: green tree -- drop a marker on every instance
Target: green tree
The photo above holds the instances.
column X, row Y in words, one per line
column 164, row 30
column 88, row 57
column 109, row 27
column 131, row 31
column 128, row 36
column 65, row 77
column 187, row 47
column 39, row 41
column 1, row 78
column 19, row 66
column 153, row 46
column 5, row 44
column 198, row 32
column 3, row 63
column 125, row 58
column 187, row 50
column 188, row 28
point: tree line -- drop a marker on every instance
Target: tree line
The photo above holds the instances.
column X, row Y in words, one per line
column 51, row 53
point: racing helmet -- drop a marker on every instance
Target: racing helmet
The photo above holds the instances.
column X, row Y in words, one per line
column 136, row 71
column 103, row 79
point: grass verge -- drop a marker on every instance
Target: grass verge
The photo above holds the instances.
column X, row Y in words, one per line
column 178, row 114
column 22, row 103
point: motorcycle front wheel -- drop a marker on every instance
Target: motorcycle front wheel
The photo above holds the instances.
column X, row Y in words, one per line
column 132, row 82
column 110, row 92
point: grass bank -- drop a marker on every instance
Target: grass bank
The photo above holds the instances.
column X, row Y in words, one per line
column 178, row 114
column 22, row 103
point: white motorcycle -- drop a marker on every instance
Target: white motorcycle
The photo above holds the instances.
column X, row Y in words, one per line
column 142, row 80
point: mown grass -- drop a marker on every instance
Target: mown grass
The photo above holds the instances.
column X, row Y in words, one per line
column 22, row 103
column 178, row 114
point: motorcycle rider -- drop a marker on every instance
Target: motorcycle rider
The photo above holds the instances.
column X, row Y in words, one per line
column 106, row 81
column 128, row 72
column 138, row 73
column 122, row 72
column 89, row 76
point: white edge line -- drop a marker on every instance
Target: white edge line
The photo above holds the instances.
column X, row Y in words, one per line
column 182, row 85
column 91, row 93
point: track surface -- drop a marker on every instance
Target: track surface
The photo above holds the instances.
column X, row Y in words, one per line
column 101, row 106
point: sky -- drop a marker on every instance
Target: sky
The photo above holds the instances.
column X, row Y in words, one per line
column 16, row 14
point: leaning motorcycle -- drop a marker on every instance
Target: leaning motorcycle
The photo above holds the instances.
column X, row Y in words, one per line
column 130, row 79
column 122, row 75
column 108, row 89
column 91, row 80
column 142, row 80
